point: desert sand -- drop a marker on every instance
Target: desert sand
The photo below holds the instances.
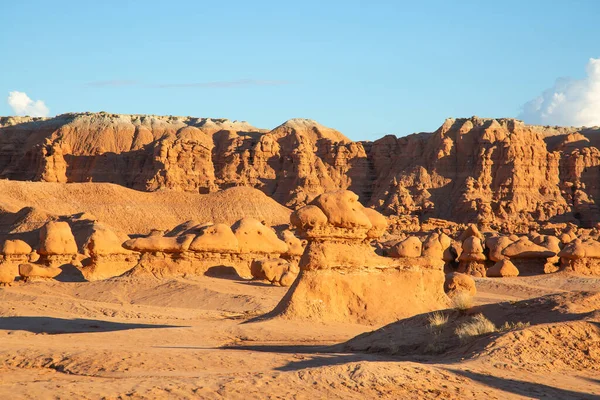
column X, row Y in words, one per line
column 191, row 338
column 154, row 257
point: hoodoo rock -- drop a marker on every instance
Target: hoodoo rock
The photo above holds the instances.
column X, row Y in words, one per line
column 193, row 249
column 107, row 256
column 472, row 259
column 530, row 258
column 496, row 245
column 56, row 238
column 342, row 279
column 582, row 257
column 58, row 250
column 13, row 253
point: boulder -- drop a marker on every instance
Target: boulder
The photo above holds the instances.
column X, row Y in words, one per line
column 217, row 238
column 308, row 217
column 459, row 283
column 503, row 268
column 28, row 271
column 56, row 238
column 432, row 247
column 496, row 245
column 273, row 270
column 343, row 210
column 254, row 237
column 15, row 247
column 410, row 247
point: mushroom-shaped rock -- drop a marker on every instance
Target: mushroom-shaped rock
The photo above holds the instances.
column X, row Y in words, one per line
column 503, row 268
column 582, row 257
column 530, row 258
column 56, row 238
column 15, row 247
column 410, row 247
column 496, row 245
column 472, row 250
column 308, row 217
column 432, row 247
column 581, row 249
column 295, row 245
column 218, row 238
column 550, row 242
column 471, row 230
column 254, row 237
column 156, row 243
column 8, row 272
column 456, row 283
column 525, row 248
column 472, row 259
column 28, row 271
column 343, row 209
column 378, row 223
column 104, row 241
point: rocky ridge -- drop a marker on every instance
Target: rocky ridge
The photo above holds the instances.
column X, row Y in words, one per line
column 497, row 172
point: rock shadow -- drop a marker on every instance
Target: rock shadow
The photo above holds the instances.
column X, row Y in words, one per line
column 57, row 326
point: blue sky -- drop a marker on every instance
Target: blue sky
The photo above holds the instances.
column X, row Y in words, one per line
column 366, row 68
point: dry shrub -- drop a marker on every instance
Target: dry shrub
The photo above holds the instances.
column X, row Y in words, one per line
column 462, row 301
column 512, row 326
column 437, row 320
column 478, row 325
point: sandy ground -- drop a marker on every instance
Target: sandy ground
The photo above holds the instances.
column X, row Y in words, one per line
column 192, row 338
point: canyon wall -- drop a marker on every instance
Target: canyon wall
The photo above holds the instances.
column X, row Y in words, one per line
column 492, row 171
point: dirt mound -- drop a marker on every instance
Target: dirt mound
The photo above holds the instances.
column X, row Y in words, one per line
column 28, row 205
column 551, row 332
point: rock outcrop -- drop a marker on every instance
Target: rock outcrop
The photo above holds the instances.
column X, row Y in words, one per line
column 342, row 279
column 194, row 249
column 581, row 256
column 500, row 173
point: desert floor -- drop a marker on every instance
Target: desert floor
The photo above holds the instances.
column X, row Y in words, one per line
column 194, row 338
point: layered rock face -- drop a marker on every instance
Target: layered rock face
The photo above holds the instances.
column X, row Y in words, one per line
column 498, row 172
column 341, row 277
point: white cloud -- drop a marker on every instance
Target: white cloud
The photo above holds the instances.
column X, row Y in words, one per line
column 570, row 102
column 21, row 104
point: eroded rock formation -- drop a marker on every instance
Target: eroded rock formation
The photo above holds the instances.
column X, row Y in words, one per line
column 500, row 173
column 342, row 279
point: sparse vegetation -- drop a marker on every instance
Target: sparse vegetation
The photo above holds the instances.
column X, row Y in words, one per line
column 462, row 301
column 478, row 325
column 511, row 326
column 437, row 320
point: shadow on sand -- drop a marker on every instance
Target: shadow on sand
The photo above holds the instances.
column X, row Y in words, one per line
column 522, row 388
column 56, row 326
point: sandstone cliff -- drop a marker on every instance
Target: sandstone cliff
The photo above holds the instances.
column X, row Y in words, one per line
column 491, row 171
